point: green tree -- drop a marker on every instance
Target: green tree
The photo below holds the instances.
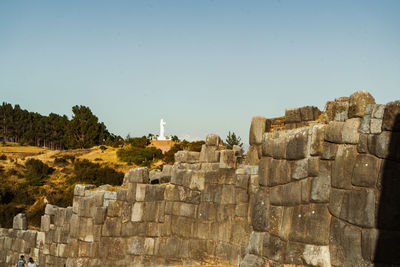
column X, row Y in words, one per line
column 36, row 172
column 232, row 140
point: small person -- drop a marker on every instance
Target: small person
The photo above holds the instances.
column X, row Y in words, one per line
column 21, row 262
column 31, row 262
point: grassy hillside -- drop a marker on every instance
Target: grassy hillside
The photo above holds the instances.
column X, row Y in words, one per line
column 19, row 194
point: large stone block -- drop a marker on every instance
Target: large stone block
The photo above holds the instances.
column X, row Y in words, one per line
column 310, row 224
column 345, row 244
column 342, row 168
column 317, row 139
column 259, row 216
column 320, row 188
column 267, row 145
column 299, row 169
column 335, row 201
column 279, row 172
column 385, row 145
column 213, row 140
column 297, row 146
column 79, row 189
column 362, row 146
column 329, row 150
column 227, row 159
column 391, row 116
column 333, row 132
column 20, row 222
column 264, row 170
column 209, row 154
column 137, row 175
column 358, row 207
column 350, row 134
column 279, row 145
column 291, row 194
column 258, row 126
column 366, row 170
column 111, row 227
column 251, row 260
column 358, row 103
column 365, row 124
column 253, row 156
column 376, row 126
column 274, row 248
column 317, row 256
column 187, row 156
column 292, row 115
column 309, row 113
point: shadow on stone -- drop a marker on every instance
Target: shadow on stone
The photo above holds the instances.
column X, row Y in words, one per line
column 388, row 221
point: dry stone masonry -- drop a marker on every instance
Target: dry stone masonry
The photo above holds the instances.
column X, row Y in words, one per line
column 315, row 189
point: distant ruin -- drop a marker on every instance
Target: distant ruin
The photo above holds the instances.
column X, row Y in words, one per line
column 315, row 189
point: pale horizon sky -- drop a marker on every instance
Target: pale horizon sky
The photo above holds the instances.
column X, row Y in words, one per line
column 203, row 66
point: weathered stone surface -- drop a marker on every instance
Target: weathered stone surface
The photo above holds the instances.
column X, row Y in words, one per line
column 251, row 260
column 366, row 170
column 320, row 188
column 376, row 126
column 267, row 145
column 345, row 244
column 385, row 145
column 329, row 150
column 333, row 132
column 258, row 126
column 369, row 239
column 310, row 224
column 279, row 146
column 335, row 201
column 292, row 115
column 342, row 168
column 209, row 154
column 358, row 103
column 313, row 166
column 297, row 145
column 274, row 248
column 317, row 256
column 264, row 171
column 309, row 113
column 79, row 189
column 291, row 194
column 306, row 190
column 20, row 222
column 362, row 146
column 137, row 175
column 279, row 172
column 276, row 195
column 391, row 116
column 350, row 134
column 299, row 169
column 187, row 156
column 227, row 159
column 252, row 156
column 213, row 140
column 260, row 208
column 358, row 207
column 317, row 139
column 365, row 124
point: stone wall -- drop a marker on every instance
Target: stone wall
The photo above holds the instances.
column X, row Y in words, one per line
column 329, row 193
column 200, row 217
column 318, row 190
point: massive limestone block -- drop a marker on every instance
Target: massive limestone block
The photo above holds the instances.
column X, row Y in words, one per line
column 187, row 156
column 213, row 140
column 299, row 169
column 385, row 145
column 292, row 115
column 345, row 244
column 279, row 145
column 350, row 134
column 320, row 188
column 366, row 170
column 310, row 224
column 253, row 156
column 342, row 168
column 309, row 113
column 336, row 110
column 259, row 125
column 259, row 216
column 20, row 222
column 137, row 175
column 333, row 132
column 291, row 194
column 279, row 172
column 227, row 159
column 264, row 171
column 209, row 154
column 251, row 260
column 358, row 103
column 267, row 144
column 329, row 150
column 317, row 139
column 358, row 207
column 317, row 255
column 297, row 145
column 391, row 117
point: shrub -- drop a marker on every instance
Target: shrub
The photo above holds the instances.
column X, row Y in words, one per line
column 71, row 158
column 92, row 173
column 60, row 161
column 103, row 148
column 138, row 155
column 36, row 172
column 3, row 157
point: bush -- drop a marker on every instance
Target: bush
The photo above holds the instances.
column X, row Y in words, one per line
column 92, row 173
column 138, row 155
column 60, row 161
column 103, row 148
column 70, row 158
column 3, row 157
column 36, row 172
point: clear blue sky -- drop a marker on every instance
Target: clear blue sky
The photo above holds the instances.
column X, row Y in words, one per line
column 203, row 66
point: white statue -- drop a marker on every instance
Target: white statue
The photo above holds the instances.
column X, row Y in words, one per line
column 161, row 136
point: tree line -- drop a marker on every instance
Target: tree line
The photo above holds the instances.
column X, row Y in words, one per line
column 54, row 131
